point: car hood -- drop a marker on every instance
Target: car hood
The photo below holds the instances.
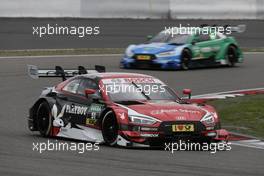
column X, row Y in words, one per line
column 167, row 110
column 153, row 48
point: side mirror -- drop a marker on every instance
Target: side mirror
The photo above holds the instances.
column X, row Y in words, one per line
column 89, row 92
column 193, row 43
column 149, row 37
column 187, row 92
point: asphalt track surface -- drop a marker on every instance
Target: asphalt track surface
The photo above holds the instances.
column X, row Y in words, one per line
column 16, row 33
column 18, row 92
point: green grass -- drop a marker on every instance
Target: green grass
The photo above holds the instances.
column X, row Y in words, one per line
column 242, row 114
column 80, row 51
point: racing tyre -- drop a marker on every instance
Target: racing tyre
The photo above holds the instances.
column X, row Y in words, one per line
column 185, row 61
column 44, row 119
column 110, row 128
column 231, row 56
column 121, row 66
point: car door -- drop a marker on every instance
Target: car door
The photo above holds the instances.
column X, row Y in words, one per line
column 93, row 102
column 76, row 108
column 73, row 105
column 207, row 46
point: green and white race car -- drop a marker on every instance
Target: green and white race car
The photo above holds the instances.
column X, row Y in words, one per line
column 184, row 51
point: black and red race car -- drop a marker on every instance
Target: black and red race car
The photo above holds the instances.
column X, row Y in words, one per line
column 124, row 109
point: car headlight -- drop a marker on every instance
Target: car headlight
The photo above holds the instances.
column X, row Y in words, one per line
column 166, row 54
column 208, row 118
column 129, row 52
column 142, row 120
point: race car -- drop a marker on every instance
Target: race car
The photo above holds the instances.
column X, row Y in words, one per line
column 167, row 50
column 124, row 109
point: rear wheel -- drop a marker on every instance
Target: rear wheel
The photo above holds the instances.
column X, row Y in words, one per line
column 44, row 119
column 110, row 128
column 185, row 61
column 231, row 56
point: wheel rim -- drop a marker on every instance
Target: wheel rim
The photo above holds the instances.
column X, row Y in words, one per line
column 110, row 129
column 185, row 63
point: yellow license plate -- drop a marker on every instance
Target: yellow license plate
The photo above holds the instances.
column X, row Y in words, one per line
column 143, row 57
column 183, row 128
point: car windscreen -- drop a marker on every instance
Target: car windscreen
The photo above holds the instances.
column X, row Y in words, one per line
column 139, row 91
column 161, row 37
column 178, row 39
column 164, row 37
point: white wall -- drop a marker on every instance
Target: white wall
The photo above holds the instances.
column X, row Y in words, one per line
column 213, row 9
column 176, row 9
column 260, row 9
column 40, row 8
column 125, row 8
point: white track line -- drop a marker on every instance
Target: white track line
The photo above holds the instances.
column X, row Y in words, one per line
column 226, row 92
column 253, row 52
column 83, row 55
column 61, row 56
column 257, row 144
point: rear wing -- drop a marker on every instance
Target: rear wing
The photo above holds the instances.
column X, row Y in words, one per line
column 238, row 28
column 35, row 73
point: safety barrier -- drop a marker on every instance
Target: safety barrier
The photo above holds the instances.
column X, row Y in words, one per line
column 137, row 9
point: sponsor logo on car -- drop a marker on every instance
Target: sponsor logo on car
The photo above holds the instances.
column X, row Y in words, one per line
column 74, row 109
column 161, row 111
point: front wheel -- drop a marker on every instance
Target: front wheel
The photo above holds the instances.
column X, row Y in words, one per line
column 121, row 65
column 185, row 61
column 110, row 128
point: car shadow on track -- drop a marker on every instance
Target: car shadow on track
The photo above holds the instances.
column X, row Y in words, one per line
column 180, row 70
